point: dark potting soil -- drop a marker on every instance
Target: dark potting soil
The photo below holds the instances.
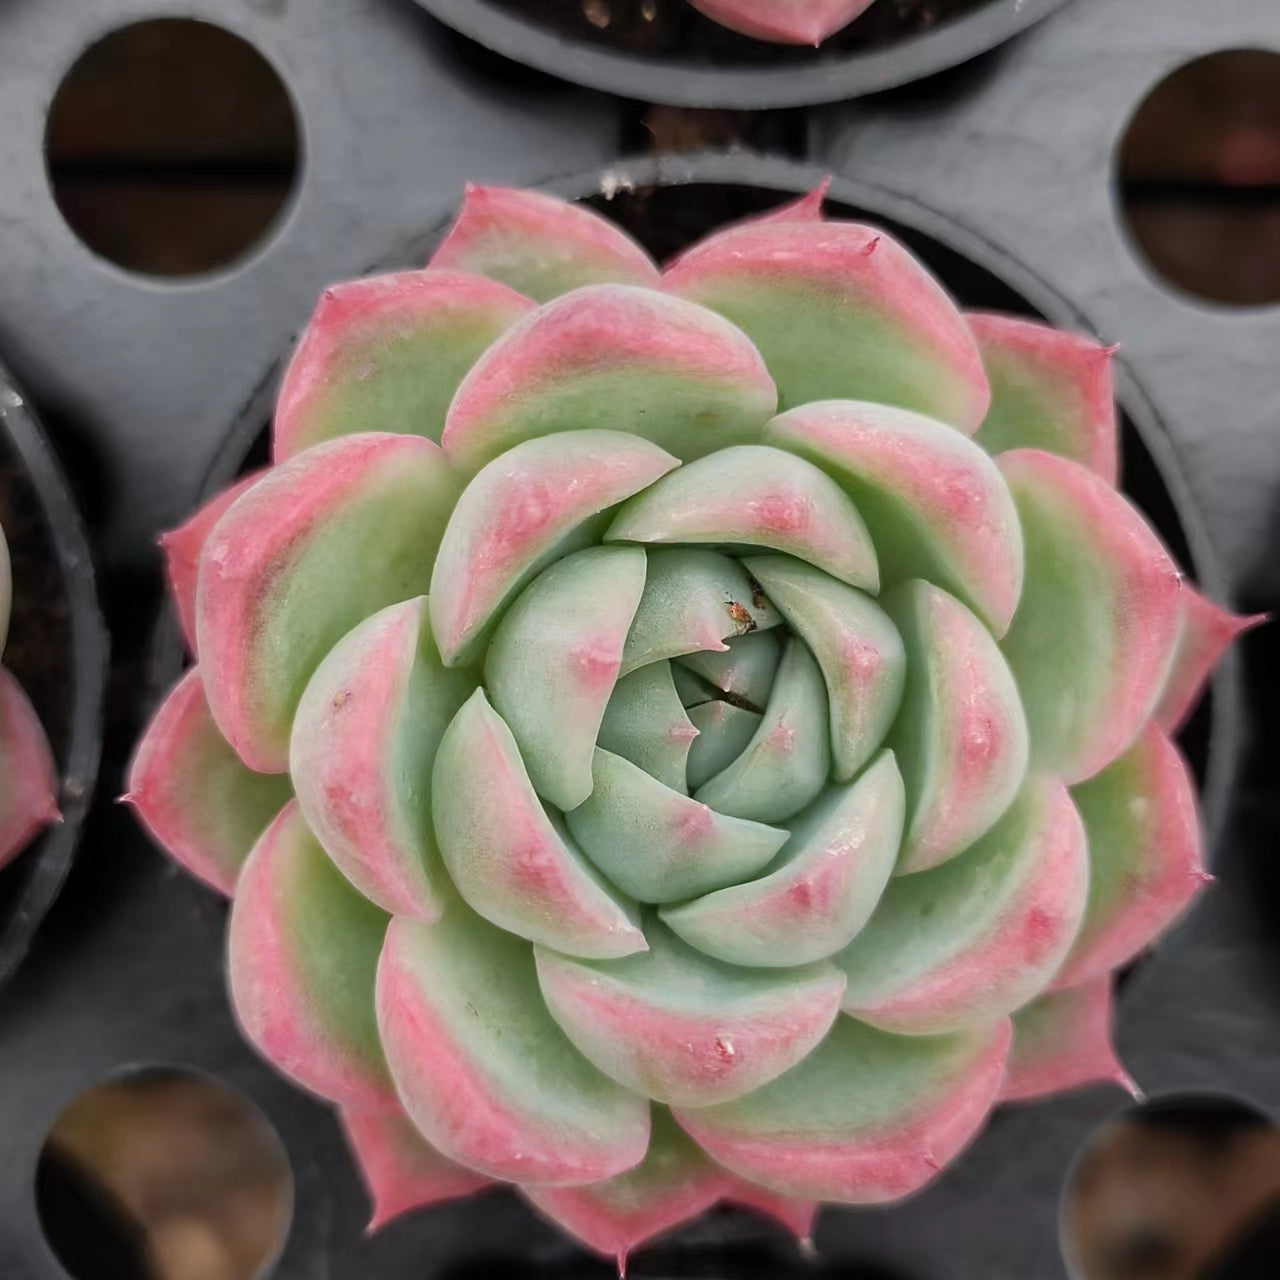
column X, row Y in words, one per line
column 674, row 30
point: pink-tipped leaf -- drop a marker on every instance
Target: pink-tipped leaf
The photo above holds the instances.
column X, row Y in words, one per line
column 387, row 354
column 364, row 740
column 1096, row 628
column 646, row 724
column 615, row 357
column 482, row 1068
column 540, row 245
column 28, row 775
column 195, row 795
column 840, row 311
column 784, row 21
column 318, row 544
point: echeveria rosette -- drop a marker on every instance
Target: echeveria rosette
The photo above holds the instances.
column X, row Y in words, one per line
column 679, row 736
column 28, row 775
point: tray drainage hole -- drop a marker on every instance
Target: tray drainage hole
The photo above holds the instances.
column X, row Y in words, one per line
column 164, row 1174
column 1198, row 178
column 172, row 147
column 1184, row 1187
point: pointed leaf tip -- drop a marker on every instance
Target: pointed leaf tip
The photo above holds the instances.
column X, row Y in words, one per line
column 808, row 23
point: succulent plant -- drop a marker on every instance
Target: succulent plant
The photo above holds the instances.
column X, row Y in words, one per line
column 28, row 796
column 784, row 21
column 679, row 736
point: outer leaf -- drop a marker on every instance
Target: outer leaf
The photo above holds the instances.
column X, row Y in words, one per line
column 509, row 859
column 935, row 503
column 980, row 936
column 840, row 311
column 483, row 1070
column 1050, row 390
column 1093, row 641
column 788, row 760
column 192, row 792
column 682, row 1028
column 827, row 881
column 1062, row 1041
column 1146, row 854
column 308, row 1008
column 755, row 496
column 675, row 1182
column 539, row 244
column 363, row 744
column 518, row 515
column 745, row 670
column 182, row 547
column 864, row 1119
column 857, row 647
column 646, row 724
column 319, row 543
column 1204, row 635
column 619, row 357
column 961, row 736
column 693, row 600
column 387, row 354
column 660, row 846
column 553, row 661
column 786, row 21
column 400, row 1170
column 28, row 776
column 723, row 734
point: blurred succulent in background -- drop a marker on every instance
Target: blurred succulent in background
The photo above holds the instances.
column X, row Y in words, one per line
column 679, row 736
column 28, row 777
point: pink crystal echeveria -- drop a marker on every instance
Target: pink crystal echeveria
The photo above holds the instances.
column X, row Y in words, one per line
column 656, row 798
column 28, row 776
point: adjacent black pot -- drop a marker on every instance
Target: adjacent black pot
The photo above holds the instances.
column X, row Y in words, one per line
column 57, row 648
column 681, row 58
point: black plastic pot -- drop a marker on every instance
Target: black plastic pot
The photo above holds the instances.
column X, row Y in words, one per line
column 1027, row 1150
column 57, row 648
column 681, row 58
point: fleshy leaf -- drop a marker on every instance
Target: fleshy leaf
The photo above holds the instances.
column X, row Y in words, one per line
column 660, row 846
column 482, row 1068
column 857, row 647
column 1095, row 632
column 363, row 744
column 193, row 793
column 1050, row 390
column 829, row 878
column 182, row 547
column 674, row 1182
column 961, row 737
column 553, row 661
column 400, row 1169
column 723, row 733
column 1061, row 1041
column 616, row 357
column 520, row 513
column 755, row 496
column 508, row 858
column 981, row 935
column 1205, row 633
column 646, row 724
column 784, row 21
column 539, row 244
column 28, row 775
column 387, row 354
column 788, row 760
column 1145, row 852
column 840, row 311
column 319, row 543
column 693, row 599
column 935, row 503
column 745, row 670
column 682, row 1028
column 308, row 1008
column 864, row 1119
